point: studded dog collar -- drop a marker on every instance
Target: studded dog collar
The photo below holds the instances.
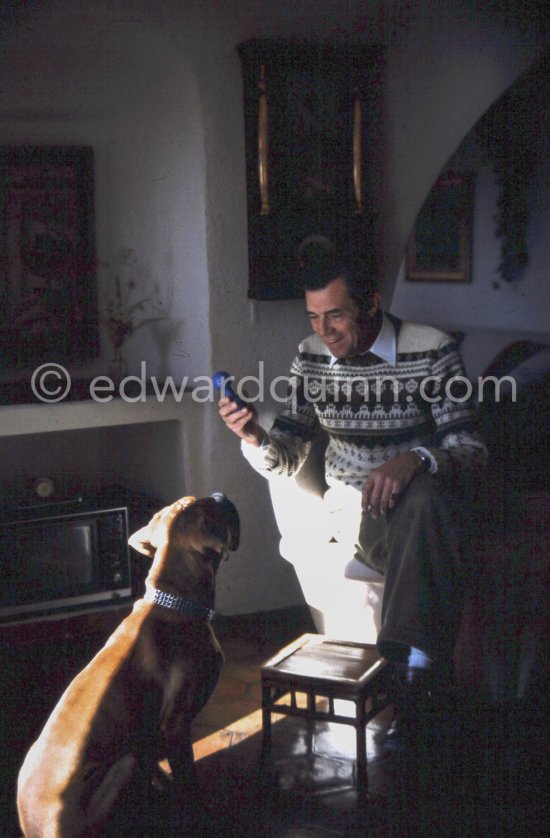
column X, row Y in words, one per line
column 178, row 603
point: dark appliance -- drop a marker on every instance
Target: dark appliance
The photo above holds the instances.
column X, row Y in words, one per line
column 57, row 560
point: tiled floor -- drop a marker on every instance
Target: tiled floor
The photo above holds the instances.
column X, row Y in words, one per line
column 475, row 771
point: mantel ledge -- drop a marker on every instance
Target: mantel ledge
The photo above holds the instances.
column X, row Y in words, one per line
column 17, row 420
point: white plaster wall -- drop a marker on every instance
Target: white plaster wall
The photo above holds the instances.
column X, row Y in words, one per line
column 106, row 75
column 447, row 63
column 156, row 89
column 492, row 312
column 523, row 306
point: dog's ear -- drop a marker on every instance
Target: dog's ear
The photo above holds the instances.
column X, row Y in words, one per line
column 232, row 518
column 149, row 538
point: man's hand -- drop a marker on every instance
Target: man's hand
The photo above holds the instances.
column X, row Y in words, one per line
column 243, row 422
column 384, row 486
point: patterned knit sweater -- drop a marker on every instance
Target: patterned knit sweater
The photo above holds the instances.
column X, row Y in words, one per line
column 373, row 410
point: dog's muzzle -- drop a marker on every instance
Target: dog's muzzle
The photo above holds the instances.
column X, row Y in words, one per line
column 232, row 517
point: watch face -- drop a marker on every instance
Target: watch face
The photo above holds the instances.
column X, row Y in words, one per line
column 426, row 464
column 44, row 487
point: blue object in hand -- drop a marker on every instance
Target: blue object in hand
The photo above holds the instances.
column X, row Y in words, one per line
column 221, row 381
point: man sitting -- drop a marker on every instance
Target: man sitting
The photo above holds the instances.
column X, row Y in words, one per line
column 392, row 397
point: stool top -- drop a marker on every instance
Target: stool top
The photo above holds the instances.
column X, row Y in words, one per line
column 318, row 658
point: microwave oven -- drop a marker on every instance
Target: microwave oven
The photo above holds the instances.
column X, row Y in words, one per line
column 56, row 563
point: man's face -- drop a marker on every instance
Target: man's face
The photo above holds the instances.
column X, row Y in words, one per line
column 335, row 318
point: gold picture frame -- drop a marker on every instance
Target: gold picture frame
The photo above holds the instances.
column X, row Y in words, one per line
column 439, row 248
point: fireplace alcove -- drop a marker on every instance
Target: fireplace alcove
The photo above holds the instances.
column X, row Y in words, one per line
column 84, row 445
column 86, row 449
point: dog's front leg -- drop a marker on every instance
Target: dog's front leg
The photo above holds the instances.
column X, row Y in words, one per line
column 183, row 684
column 179, row 751
column 183, row 812
column 176, row 716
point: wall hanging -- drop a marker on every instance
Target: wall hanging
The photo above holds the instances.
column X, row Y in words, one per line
column 307, row 111
column 48, row 293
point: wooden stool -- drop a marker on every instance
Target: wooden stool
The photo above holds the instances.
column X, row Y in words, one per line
column 321, row 666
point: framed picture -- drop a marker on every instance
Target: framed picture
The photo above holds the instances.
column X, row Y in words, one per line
column 439, row 248
column 48, row 293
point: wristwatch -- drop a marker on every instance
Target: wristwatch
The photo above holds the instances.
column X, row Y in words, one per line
column 424, row 459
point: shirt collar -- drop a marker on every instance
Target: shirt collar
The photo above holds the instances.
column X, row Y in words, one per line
column 385, row 345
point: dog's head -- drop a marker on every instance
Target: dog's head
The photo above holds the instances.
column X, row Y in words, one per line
column 209, row 526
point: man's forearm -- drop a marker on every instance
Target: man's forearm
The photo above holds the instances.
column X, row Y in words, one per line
column 462, row 450
column 277, row 453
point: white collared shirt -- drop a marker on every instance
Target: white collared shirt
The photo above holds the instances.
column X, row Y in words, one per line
column 385, row 345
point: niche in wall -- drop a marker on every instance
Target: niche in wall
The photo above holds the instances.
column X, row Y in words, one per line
column 145, row 457
column 307, row 120
column 509, row 233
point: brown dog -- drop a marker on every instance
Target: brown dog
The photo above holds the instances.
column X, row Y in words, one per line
column 134, row 702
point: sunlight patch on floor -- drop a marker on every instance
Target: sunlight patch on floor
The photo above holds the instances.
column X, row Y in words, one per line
column 251, row 725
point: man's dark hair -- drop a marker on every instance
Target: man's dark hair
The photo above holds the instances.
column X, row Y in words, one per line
column 320, row 263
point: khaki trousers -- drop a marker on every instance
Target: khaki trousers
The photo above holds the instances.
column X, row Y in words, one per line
column 420, row 546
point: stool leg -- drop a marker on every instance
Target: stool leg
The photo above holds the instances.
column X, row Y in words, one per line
column 266, row 718
column 310, row 722
column 361, row 738
column 265, row 789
